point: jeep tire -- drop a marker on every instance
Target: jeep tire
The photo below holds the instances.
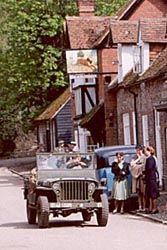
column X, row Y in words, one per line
column 102, row 213
column 43, row 211
column 31, row 214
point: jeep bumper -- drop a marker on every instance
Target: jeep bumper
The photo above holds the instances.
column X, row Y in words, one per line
column 71, row 205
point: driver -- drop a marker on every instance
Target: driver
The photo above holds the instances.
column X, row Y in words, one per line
column 76, row 163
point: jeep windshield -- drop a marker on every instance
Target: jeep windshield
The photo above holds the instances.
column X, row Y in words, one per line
column 66, row 161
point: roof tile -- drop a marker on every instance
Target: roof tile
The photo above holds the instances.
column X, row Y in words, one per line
column 124, row 31
column 154, row 30
column 55, row 106
column 84, row 32
column 158, row 67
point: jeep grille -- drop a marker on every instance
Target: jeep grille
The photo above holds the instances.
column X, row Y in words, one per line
column 74, row 190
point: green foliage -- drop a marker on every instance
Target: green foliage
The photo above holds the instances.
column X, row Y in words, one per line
column 108, row 7
column 32, row 64
column 32, row 61
column 80, row 53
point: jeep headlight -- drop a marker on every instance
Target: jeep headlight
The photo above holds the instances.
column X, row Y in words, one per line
column 91, row 187
column 44, row 183
column 56, row 188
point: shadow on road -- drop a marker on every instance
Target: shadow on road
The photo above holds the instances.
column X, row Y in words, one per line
column 52, row 224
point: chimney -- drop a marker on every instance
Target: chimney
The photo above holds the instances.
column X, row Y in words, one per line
column 86, row 7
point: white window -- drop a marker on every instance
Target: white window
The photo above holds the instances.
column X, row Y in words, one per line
column 145, row 130
column 92, row 94
column 120, row 68
column 78, row 101
column 134, row 128
column 137, row 59
column 126, row 128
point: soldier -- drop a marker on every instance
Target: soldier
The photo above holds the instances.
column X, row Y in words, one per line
column 32, row 179
column 40, row 148
column 73, row 147
column 60, row 148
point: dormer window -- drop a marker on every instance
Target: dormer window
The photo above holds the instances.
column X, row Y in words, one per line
column 137, row 59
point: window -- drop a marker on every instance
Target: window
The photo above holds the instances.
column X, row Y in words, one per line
column 145, row 130
column 126, row 128
column 137, row 59
column 134, row 128
column 78, row 101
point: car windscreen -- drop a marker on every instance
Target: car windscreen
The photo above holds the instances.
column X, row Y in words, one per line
column 127, row 158
column 65, row 161
column 106, row 160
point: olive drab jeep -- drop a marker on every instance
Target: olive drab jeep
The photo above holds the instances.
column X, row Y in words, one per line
column 62, row 184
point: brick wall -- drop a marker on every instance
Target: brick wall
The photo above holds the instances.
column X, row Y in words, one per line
column 150, row 9
column 108, row 66
column 150, row 95
column 154, row 51
column 110, row 106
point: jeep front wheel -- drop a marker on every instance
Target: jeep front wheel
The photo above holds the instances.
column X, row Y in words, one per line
column 43, row 211
column 102, row 213
column 31, row 214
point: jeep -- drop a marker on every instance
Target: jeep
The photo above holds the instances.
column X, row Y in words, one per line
column 65, row 183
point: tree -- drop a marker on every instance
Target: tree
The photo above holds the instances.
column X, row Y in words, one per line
column 108, row 7
column 33, row 64
column 32, row 61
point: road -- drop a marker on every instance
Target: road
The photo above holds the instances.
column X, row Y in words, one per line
column 122, row 232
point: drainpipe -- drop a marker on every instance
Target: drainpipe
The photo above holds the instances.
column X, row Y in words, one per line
column 135, row 108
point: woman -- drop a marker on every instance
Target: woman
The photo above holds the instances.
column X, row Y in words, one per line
column 120, row 168
column 137, row 168
column 151, row 191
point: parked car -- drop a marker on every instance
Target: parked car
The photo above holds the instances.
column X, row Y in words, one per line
column 65, row 183
column 105, row 157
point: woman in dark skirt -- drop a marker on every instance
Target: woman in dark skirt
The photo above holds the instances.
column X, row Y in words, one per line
column 151, row 191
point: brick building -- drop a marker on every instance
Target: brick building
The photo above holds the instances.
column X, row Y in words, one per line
column 105, row 35
column 141, row 86
column 130, row 83
column 89, row 34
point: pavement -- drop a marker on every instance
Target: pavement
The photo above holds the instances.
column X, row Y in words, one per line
column 22, row 166
column 160, row 217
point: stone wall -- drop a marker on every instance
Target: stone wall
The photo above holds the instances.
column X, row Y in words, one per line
column 26, row 144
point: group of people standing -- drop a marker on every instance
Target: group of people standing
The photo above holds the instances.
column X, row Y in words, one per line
column 71, row 147
column 144, row 180
column 61, row 148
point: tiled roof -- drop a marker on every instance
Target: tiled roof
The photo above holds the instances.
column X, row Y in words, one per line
column 129, row 79
column 158, row 67
column 154, row 30
column 89, row 32
column 88, row 117
column 124, row 31
column 55, row 106
column 113, row 84
column 126, row 8
column 84, row 32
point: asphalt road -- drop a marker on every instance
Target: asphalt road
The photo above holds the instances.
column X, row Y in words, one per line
column 71, row 233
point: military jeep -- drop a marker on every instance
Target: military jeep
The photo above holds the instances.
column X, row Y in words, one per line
column 65, row 183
